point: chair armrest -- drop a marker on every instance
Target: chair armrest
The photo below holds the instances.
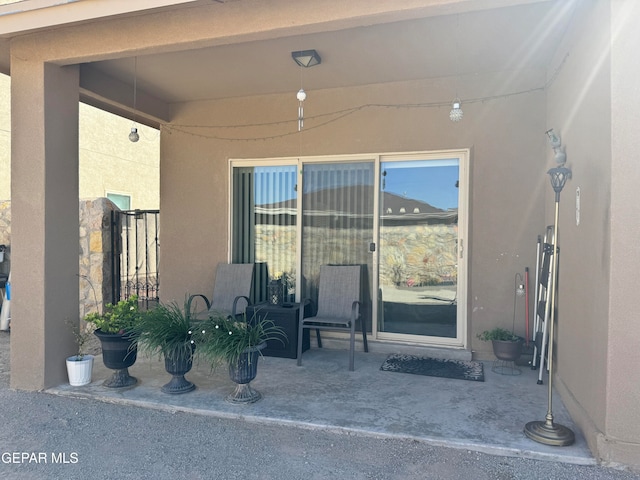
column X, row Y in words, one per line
column 305, row 301
column 235, row 304
column 191, row 297
column 301, row 311
column 355, row 310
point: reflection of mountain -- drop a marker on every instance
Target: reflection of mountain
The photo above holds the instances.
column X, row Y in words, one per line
column 399, row 210
column 352, row 207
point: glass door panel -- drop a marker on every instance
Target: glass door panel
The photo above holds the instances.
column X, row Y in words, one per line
column 418, row 245
column 264, row 223
column 337, row 222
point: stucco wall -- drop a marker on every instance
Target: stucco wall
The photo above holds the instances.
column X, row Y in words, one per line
column 508, row 168
column 578, row 108
column 5, row 137
column 109, row 162
column 595, row 347
column 623, row 415
column 622, row 444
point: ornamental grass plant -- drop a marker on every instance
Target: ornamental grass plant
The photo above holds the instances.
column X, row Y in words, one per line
column 167, row 331
column 223, row 340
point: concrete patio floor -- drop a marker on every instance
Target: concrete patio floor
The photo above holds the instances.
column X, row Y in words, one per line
column 484, row 416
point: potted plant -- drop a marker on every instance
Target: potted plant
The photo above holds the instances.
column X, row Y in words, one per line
column 237, row 343
column 167, row 331
column 80, row 365
column 119, row 350
column 507, row 346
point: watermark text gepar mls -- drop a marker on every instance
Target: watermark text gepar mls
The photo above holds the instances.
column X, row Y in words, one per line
column 57, row 458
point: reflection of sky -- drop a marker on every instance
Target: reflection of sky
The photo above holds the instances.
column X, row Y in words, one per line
column 326, row 176
column 433, row 182
column 274, row 184
column 430, row 182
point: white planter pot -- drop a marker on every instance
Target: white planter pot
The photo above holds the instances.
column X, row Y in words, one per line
column 79, row 371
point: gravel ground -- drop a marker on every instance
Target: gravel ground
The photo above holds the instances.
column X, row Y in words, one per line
column 48, row 437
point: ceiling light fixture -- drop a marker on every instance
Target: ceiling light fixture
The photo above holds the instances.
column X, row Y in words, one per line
column 306, row 58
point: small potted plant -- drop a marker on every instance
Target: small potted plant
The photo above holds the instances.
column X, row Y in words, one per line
column 119, row 349
column 167, row 331
column 507, row 345
column 238, row 344
column 80, row 365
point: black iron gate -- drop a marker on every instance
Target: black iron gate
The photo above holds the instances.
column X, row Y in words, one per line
column 135, row 249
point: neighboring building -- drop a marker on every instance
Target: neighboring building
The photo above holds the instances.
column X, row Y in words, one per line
column 110, row 165
column 219, row 81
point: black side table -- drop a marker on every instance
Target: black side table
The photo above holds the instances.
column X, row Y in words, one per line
column 287, row 318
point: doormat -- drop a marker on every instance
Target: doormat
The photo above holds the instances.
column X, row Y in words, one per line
column 434, row 367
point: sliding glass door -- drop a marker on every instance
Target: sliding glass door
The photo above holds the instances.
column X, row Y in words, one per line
column 337, row 222
column 418, row 250
column 264, row 223
column 401, row 217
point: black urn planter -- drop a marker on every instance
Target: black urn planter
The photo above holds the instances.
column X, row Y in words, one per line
column 243, row 372
column 178, row 366
column 508, row 351
column 118, row 354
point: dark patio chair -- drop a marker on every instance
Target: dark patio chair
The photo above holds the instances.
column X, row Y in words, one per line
column 338, row 307
column 231, row 290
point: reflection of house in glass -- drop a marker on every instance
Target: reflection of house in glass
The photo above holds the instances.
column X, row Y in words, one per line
column 352, row 207
column 399, row 210
column 417, row 241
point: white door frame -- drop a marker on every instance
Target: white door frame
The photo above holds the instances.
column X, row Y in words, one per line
column 463, row 218
column 463, row 156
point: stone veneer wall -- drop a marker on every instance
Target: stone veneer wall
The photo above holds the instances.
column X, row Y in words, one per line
column 95, row 254
column 419, row 255
column 94, row 250
column 5, row 233
column 412, row 255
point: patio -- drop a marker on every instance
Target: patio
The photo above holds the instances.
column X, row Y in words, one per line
column 484, row 416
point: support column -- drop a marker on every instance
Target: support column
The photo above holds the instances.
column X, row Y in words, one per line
column 44, row 244
column 622, row 442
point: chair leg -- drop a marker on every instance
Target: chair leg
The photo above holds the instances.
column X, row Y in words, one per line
column 300, row 335
column 364, row 337
column 318, row 338
column 352, row 346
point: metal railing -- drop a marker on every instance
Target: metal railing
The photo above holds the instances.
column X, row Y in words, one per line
column 135, row 254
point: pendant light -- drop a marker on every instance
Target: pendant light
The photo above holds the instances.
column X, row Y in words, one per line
column 133, row 135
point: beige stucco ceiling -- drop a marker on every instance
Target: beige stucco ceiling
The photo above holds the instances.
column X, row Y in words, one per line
column 426, row 39
column 503, row 39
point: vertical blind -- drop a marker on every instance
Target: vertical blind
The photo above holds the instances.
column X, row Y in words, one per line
column 264, row 223
column 337, row 213
column 337, row 221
